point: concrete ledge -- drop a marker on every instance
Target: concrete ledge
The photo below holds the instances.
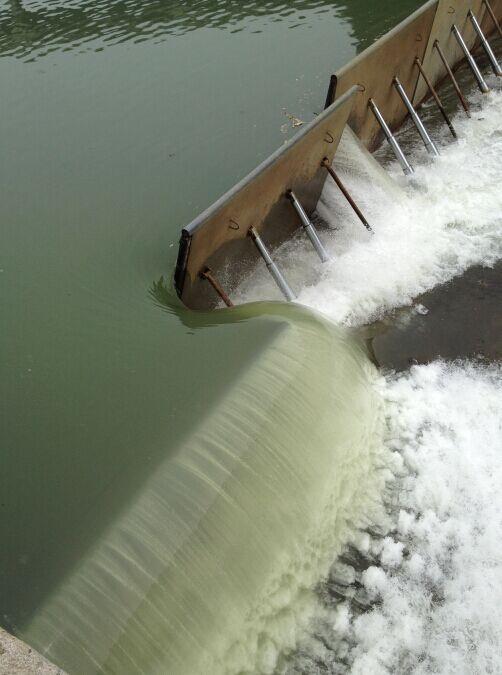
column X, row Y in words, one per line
column 16, row 658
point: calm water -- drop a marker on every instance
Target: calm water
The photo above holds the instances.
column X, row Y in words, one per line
column 119, row 122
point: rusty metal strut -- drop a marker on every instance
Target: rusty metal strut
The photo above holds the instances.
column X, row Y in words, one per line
column 453, row 79
column 325, row 163
column 492, row 15
column 208, row 275
column 436, row 97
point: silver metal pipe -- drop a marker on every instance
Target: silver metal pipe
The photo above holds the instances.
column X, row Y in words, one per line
column 405, row 165
column 474, row 67
column 308, row 227
column 430, row 146
column 486, row 45
column 271, row 266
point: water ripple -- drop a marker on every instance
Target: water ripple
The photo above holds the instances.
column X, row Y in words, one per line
column 30, row 29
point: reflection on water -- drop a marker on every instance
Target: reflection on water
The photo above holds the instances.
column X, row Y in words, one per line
column 210, row 566
column 35, row 28
column 106, row 156
column 27, row 27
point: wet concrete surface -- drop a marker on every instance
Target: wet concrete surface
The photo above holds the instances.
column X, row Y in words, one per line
column 17, row 658
column 458, row 320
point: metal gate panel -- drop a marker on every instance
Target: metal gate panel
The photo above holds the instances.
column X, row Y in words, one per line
column 374, row 69
column 219, row 239
column 448, row 13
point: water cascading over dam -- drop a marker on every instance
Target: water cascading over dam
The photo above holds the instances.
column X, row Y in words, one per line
column 210, row 569
column 211, row 564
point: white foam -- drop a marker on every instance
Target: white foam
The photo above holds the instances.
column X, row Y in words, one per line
column 436, row 583
column 435, row 586
column 425, row 232
column 440, row 607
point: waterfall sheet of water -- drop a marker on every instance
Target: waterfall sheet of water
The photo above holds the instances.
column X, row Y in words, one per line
column 211, row 567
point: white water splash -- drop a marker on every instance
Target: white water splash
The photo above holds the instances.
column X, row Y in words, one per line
column 435, row 577
column 427, row 231
column 439, row 583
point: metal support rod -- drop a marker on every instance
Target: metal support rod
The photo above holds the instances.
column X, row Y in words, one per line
column 325, row 163
column 453, row 79
column 208, row 275
column 271, row 266
column 308, row 227
column 486, row 45
column 492, row 15
column 436, row 97
column 430, row 146
column 405, row 165
column 470, row 59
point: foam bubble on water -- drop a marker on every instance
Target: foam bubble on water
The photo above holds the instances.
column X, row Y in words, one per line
column 425, row 231
column 440, row 604
column 436, row 583
column 424, row 596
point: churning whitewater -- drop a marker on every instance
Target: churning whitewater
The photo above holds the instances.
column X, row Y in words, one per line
column 426, row 231
column 420, row 589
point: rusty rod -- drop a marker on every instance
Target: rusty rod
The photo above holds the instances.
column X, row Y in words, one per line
column 492, row 15
column 208, row 275
column 436, row 97
column 325, row 163
column 453, row 79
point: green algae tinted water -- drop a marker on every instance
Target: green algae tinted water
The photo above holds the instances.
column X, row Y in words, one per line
column 119, row 122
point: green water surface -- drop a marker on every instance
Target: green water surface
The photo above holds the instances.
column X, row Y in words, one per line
column 120, row 120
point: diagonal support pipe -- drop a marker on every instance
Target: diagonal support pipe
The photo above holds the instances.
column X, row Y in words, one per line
column 453, row 79
column 308, row 227
column 396, row 148
column 435, row 95
column 271, row 266
column 430, row 146
column 486, row 45
column 208, row 275
column 325, row 163
column 492, row 16
column 470, row 60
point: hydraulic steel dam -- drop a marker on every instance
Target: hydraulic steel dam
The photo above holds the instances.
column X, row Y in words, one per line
column 302, row 499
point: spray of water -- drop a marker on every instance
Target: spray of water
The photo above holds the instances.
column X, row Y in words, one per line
column 420, row 591
column 422, row 594
column 425, row 232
